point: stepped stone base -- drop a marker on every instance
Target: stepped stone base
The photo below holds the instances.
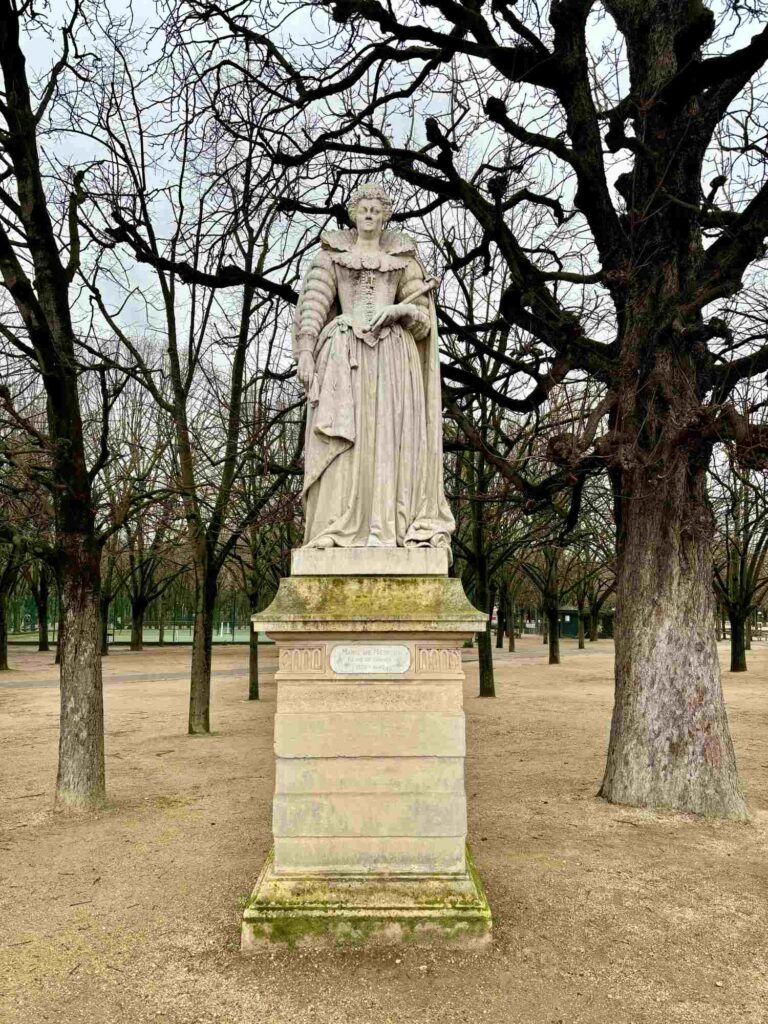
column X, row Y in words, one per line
column 423, row 910
column 369, row 814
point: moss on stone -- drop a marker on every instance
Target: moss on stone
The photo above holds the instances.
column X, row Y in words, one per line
column 408, row 599
column 296, row 929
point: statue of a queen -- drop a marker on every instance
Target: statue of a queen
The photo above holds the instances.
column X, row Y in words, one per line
column 365, row 341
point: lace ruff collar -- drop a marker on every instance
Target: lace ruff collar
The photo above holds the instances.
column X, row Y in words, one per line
column 395, row 248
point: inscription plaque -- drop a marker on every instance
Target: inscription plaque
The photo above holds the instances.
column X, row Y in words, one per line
column 370, row 659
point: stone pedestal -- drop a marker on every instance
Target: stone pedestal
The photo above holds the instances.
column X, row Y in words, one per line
column 369, row 813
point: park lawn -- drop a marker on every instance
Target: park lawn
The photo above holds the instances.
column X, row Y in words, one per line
column 601, row 913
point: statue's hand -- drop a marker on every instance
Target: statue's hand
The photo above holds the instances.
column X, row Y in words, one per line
column 392, row 314
column 306, row 369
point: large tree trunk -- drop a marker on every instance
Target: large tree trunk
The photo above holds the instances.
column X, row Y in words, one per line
column 160, row 622
column 501, row 619
column 484, row 598
column 104, row 606
column 581, row 626
column 80, row 782
column 253, row 664
column 484, row 645
column 138, row 610
column 670, row 745
column 552, row 614
column 60, row 629
column 485, row 659
column 41, row 602
column 594, row 625
column 3, row 632
column 202, row 647
column 738, row 640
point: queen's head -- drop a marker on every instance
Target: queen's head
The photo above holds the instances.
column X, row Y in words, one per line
column 370, row 208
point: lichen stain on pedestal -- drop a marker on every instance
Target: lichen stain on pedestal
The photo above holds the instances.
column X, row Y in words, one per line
column 384, row 910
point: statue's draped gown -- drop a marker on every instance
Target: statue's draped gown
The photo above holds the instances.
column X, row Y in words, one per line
column 373, row 456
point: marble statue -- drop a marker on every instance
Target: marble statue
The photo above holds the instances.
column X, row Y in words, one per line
column 365, row 341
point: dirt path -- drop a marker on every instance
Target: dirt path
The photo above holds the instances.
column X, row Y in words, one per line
column 601, row 914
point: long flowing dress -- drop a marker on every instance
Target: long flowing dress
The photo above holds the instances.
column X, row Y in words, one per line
column 373, row 454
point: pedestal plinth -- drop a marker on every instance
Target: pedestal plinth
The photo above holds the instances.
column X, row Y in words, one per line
column 369, row 812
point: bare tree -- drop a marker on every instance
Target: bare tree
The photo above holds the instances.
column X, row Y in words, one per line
column 38, row 262
column 216, row 203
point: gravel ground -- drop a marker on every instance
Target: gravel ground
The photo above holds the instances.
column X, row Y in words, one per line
column 601, row 913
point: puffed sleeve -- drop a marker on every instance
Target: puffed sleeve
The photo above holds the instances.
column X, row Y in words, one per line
column 411, row 279
column 318, row 291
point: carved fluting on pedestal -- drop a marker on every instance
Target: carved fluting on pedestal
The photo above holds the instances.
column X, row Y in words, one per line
column 437, row 659
column 302, row 660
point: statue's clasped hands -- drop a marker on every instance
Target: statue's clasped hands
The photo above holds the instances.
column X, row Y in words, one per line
column 393, row 314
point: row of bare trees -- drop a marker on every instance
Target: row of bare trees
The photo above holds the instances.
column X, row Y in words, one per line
column 590, row 191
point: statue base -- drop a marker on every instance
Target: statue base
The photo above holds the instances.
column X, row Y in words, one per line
column 369, row 812
column 337, row 910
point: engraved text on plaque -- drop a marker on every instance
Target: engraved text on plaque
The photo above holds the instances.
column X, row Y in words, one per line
column 369, row 659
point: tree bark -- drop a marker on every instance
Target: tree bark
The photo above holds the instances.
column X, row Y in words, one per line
column 57, row 659
column 485, row 659
column 80, row 782
column 202, row 648
column 3, row 632
column 41, row 602
column 138, row 610
column 581, row 605
column 553, row 630
column 501, row 619
column 594, row 626
column 544, row 627
column 670, row 745
column 485, row 655
column 738, row 641
column 160, row 622
column 511, row 624
column 104, row 606
column 253, row 664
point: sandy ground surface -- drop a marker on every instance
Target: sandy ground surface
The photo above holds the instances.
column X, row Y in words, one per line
column 601, row 913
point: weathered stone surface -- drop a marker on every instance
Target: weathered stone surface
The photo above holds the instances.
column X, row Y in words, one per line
column 389, row 775
column 344, row 910
column 375, row 734
column 371, row 604
column 366, row 695
column 369, row 814
column 369, row 855
column 369, row 562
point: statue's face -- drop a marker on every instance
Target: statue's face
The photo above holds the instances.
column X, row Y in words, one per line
column 370, row 216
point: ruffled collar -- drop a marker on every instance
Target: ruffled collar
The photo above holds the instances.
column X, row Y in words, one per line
column 395, row 247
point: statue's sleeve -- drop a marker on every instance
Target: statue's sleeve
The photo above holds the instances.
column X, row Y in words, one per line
column 315, row 301
column 411, row 279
